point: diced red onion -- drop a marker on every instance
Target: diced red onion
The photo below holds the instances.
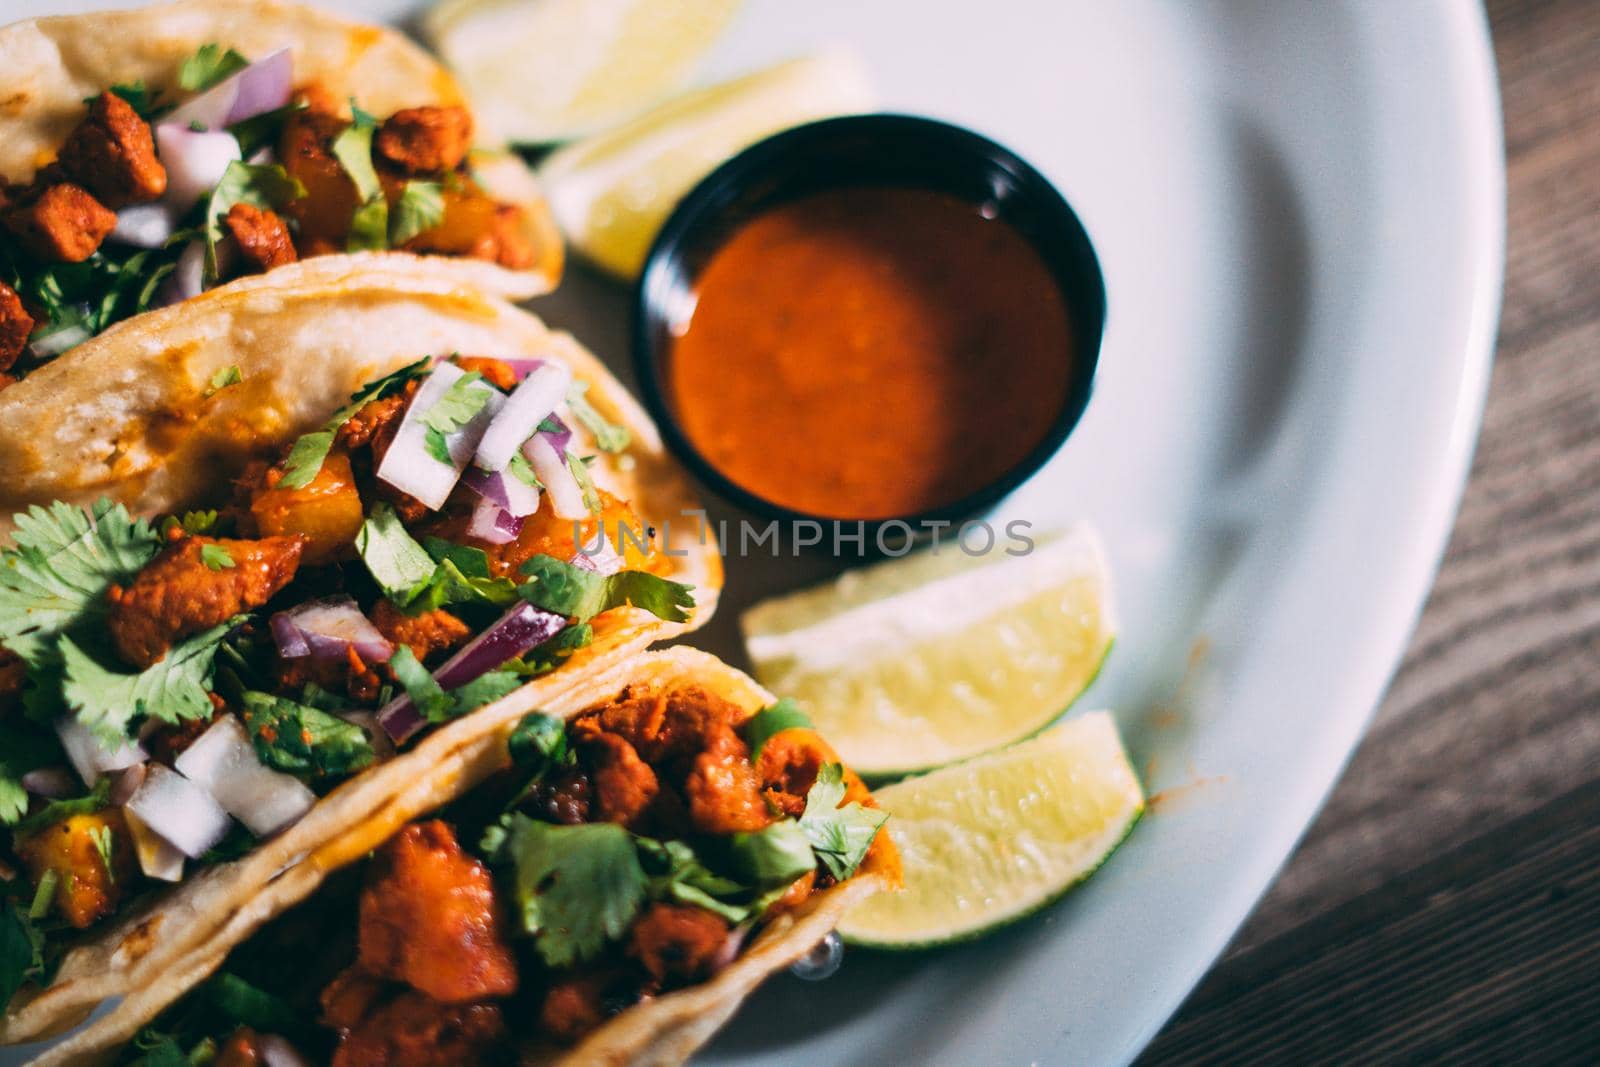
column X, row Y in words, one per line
column 522, row 367
column 518, row 630
column 409, row 467
column 260, row 87
column 507, row 490
column 566, row 499
column 179, row 811
column 58, row 341
column 158, row 859
column 195, row 162
column 224, row 761
column 560, row 437
column 263, row 86
column 52, row 783
column 327, row 629
column 126, row 782
column 493, row 524
column 144, row 225
column 600, row 556
column 527, row 406
column 277, row 1052
column 88, row 756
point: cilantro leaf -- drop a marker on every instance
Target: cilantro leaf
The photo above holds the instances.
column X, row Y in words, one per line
column 57, row 573
column 172, row 689
column 482, row 691
column 760, row 727
column 432, row 701
column 448, row 584
column 262, row 185
column 608, row 436
column 163, row 1050
column 396, row 561
column 215, row 557
column 208, row 66
column 437, row 446
column 192, row 522
column 677, row 874
column 246, row 1004
column 259, row 131
column 580, row 474
column 369, row 225
column 21, row 750
column 306, row 456
column 841, row 835
column 21, row 951
column 773, row 856
column 135, row 94
column 105, row 843
column 553, row 653
column 520, row 469
column 229, row 375
column 576, row 887
column 58, row 810
column 567, row 589
column 420, row 208
column 302, row 740
column 458, row 406
column 539, row 742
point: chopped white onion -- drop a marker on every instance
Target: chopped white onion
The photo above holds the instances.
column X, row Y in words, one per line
column 58, row 341
column 515, row 496
column 195, row 162
column 530, row 403
column 179, row 811
column 493, row 524
column 409, row 467
column 53, row 783
column 277, row 1052
column 224, row 761
column 566, row 498
column 88, row 756
column 262, row 86
column 189, row 278
column 144, row 225
column 158, row 858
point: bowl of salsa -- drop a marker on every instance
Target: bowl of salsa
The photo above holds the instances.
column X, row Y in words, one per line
column 874, row 318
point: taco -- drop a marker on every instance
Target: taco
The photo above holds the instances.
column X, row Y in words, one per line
column 147, row 156
column 600, row 879
column 204, row 687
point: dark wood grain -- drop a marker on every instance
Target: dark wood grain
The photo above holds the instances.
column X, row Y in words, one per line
column 1409, row 926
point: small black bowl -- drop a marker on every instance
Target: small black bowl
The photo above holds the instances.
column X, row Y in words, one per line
column 852, row 152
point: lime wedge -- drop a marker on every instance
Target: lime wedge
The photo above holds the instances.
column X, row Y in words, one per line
column 548, row 70
column 990, row 841
column 936, row 657
column 611, row 193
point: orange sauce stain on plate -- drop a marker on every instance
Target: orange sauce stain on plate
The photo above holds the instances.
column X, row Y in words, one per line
column 871, row 353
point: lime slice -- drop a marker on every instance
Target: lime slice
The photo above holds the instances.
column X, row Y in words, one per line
column 611, row 193
column 936, row 657
column 990, row 841
column 547, row 70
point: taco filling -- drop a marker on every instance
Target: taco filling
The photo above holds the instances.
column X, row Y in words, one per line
column 171, row 692
column 156, row 197
column 637, row 849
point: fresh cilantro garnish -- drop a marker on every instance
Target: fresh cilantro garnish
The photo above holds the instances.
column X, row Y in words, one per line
column 192, row 522
column 369, row 225
column 302, row 740
column 420, row 208
column 482, row 691
column 21, row 750
column 520, row 469
column 59, row 810
column 361, row 117
column 172, row 689
column 539, row 742
column 431, row 700
column 570, row 590
column 260, row 131
column 458, row 406
column 580, row 474
column 677, row 874
column 306, row 456
column 21, row 950
column 73, row 302
column 246, row 1004
column 263, row 185
column 608, row 436
column 208, row 66
column 136, row 94
column 163, row 1050
column 61, row 564
column 238, row 842
column 553, row 653
column 840, row 835
column 576, row 887
column 44, row 894
column 215, row 557
column 772, row 856
column 105, row 843
column 229, row 375
column 760, row 727
column 396, row 561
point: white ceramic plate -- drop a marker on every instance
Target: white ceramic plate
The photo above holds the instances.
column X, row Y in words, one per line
column 1298, row 208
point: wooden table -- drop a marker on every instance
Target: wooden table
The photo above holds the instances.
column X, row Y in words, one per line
column 1445, row 906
